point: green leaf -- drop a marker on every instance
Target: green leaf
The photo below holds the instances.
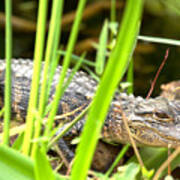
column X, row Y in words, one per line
column 14, row 165
column 147, row 174
column 17, row 145
column 127, row 172
column 158, row 156
column 43, row 169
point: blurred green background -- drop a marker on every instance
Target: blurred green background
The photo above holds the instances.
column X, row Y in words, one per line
column 160, row 19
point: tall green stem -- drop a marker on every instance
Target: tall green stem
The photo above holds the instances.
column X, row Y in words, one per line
column 38, row 54
column 7, row 100
column 50, row 55
column 71, row 43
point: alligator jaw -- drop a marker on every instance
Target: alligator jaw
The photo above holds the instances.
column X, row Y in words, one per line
column 153, row 122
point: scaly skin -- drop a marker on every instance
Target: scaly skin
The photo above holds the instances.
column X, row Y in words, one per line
column 153, row 122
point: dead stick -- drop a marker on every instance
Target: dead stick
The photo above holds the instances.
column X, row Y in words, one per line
column 165, row 164
column 157, row 74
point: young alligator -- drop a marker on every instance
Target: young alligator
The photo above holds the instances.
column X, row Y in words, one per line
column 153, row 122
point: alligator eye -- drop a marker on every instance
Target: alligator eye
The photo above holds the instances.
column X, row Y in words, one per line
column 162, row 115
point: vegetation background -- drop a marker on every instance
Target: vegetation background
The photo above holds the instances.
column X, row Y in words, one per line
column 160, row 19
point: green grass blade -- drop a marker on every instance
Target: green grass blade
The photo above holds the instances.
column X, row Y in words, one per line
column 75, row 58
column 130, row 77
column 101, row 53
column 114, row 71
column 113, row 11
column 159, row 40
column 71, row 43
column 52, row 46
column 74, row 70
column 7, row 100
column 113, row 15
column 91, row 73
column 117, row 160
column 17, row 145
column 38, row 54
column 68, row 126
column 42, row 168
column 53, row 67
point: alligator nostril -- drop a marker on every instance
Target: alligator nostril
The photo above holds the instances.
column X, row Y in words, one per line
column 162, row 115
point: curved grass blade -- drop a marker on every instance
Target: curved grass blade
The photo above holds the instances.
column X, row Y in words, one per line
column 114, row 71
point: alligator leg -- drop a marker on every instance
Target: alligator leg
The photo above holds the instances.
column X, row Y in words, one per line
column 67, row 153
column 73, row 132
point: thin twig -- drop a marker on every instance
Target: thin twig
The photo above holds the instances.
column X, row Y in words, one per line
column 125, row 121
column 157, row 74
column 69, row 168
column 60, row 153
column 165, row 164
column 19, row 129
column 169, row 164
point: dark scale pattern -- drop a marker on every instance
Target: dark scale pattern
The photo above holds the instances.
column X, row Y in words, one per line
column 153, row 122
column 20, row 96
